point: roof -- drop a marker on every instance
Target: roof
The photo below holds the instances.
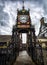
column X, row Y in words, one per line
column 23, row 12
column 5, row 38
column 41, row 37
column 45, row 24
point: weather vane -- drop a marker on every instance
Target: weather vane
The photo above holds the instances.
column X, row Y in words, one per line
column 23, row 4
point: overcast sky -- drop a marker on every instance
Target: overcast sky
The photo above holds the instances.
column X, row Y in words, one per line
column 8, row 13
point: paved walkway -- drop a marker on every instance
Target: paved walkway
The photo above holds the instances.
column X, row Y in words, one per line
column 23, row 59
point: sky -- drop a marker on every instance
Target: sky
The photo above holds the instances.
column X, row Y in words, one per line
column 8, row 13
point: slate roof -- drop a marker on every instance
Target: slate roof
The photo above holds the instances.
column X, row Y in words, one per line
column 5, row 38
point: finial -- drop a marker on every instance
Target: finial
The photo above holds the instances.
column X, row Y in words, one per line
column 23, row 4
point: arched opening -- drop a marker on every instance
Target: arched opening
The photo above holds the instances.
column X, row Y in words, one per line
column 24, row 38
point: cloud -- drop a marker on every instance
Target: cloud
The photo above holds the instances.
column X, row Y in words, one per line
column 8, row 13
column 36, row 12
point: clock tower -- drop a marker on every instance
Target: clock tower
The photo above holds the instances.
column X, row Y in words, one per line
column 23, row 18
column 23, row 25
column 23, row 34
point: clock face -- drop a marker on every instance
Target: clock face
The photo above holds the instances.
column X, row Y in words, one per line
column 23, row 18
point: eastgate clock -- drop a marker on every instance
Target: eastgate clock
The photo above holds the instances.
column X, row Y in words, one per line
column 23, row 18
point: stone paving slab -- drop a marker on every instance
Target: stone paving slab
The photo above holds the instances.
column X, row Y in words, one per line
column 23, row 59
